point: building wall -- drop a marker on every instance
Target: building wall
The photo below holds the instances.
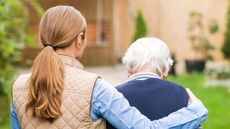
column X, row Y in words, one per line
column 95, row 54
column 175, row 19
column 127, row 10
column 165, row 19
column 168, row 20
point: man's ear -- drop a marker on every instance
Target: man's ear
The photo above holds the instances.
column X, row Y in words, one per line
column 164, row 76
column 129, row 73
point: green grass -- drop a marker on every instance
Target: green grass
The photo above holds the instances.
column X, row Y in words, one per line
column 4, row 112
column 217, row 100
column 5, row 126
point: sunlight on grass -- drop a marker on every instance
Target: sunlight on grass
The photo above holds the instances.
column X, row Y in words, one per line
column 217, row 100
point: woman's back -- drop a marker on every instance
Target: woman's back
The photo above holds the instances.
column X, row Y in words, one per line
column 76, row 100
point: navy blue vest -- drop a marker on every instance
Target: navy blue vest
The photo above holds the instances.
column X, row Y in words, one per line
column 155, row 98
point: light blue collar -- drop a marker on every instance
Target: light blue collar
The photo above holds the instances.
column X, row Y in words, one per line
column 143, row 76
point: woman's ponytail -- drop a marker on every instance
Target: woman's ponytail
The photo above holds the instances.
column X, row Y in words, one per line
column 46, row 85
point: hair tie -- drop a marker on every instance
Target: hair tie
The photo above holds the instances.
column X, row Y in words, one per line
column 49, row 45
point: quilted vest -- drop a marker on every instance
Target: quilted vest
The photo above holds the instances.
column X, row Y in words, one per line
column 76, row 100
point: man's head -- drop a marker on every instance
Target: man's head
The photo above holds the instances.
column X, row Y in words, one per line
column 148, row 55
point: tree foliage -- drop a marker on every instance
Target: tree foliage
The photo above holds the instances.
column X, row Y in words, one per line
column 226, row 46
column 140, row 27
column 13, row 37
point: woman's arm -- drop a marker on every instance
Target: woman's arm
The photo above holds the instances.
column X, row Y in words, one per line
column 13, row 118
column 110, row 104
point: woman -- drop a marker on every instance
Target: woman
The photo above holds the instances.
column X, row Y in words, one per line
column 58, row 93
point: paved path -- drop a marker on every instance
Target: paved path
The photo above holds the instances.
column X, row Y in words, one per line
column 113, row 74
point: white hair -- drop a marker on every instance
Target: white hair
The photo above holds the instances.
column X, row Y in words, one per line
column 151, row 53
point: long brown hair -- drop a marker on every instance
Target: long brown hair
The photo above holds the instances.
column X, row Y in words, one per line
column 59, row 27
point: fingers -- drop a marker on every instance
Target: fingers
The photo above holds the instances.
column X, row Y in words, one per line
column 192, row 97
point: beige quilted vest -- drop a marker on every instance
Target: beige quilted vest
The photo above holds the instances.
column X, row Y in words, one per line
column 78, row 87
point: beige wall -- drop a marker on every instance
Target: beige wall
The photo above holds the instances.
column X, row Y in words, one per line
column 126, row 11
column 168, row 20
column 175, row 19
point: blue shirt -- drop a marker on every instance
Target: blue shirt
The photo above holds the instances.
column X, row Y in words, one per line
column 108, row 103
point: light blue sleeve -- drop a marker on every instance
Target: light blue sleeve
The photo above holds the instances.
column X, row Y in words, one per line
column 13, row 118
column 108, row 103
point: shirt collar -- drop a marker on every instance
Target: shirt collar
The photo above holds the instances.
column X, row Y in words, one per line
column 143, row 76
column 67, row 60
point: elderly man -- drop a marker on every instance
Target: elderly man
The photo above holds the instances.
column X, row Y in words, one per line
column 148, row 62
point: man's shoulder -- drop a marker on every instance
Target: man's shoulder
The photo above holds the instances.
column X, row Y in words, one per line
column 171, row 84
column 121, row 86
column 164, row 84
column 126, row 85
column 174, row 88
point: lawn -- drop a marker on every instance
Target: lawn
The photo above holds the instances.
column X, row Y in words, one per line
column 217, row 100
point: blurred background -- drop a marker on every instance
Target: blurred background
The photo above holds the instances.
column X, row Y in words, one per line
column 196, row 31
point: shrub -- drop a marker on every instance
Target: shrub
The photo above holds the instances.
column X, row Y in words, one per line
column 12, row 35
column 200, row 42
column 226, row 46
column 140, row 27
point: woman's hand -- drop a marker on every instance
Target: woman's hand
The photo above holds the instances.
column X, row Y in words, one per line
column 192, row 97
